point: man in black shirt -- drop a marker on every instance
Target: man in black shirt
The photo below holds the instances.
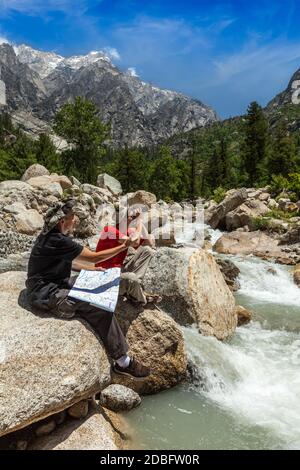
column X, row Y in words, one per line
column 49, row 283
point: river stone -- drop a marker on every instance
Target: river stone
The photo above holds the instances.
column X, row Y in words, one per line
column 244, row 214
column 54, row 189
column 297, row 275
column 230, row 272
column 14, row 262
column 47, row 364
column 215, row 215
column 95, row 433
column 155, row 340
column 35, row 170
column 62, row 180
column 12, row 185
column 193, row 290
column 45, row 183
column 29, row 222
column 244, row 316
column 15, row 208
column 45, row 428
column 246, row 243
column 79, row 410
column 106, row 181
column 40, row 182
column 119, row 398
column 141, row 198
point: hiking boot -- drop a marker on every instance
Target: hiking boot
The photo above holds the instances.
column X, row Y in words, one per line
column 153, row 298
column 135, row 370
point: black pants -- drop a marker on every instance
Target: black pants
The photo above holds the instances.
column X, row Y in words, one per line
column 103, row 323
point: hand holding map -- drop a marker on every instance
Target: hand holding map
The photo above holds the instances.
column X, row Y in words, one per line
column 99, row 288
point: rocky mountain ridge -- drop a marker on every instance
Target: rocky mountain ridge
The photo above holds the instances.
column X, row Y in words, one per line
column 38, row 83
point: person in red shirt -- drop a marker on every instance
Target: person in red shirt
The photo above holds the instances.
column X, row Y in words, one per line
column 134, row 261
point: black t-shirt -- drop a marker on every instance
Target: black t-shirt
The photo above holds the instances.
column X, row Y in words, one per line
column 50, row 261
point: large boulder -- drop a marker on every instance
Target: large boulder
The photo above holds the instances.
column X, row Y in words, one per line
column 193, row 290
column 141, row 198
column 287, row 205
column 12, row 242
column 230, row 272
column 46, row 183
column 106, row 181
column 250, row 243
column 13, row 185
column 94, row 433
column 245, row 214
column 64, row 181
column 29, row 222
column 47, row 364
column 291, row 236
column 15, row 208
column 156, row 340
column 35, row 170
column 215, row 216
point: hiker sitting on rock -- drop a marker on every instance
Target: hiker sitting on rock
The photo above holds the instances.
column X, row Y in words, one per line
column 49, row 283
column 135, row 259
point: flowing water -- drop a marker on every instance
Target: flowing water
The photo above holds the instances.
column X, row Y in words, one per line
column 247, row 394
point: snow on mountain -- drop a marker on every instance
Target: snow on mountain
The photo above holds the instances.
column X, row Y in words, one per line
column 44, row 63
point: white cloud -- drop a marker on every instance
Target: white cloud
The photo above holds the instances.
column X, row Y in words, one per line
column 255, row 58
column 112, row 53
column 37, row 7
column 3, row 40
column 132, row 71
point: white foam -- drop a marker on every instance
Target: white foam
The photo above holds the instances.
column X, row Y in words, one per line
column 255, row 377
column 260, row 284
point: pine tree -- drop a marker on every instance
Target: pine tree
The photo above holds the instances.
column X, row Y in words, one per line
column 282, row 159
column 131, row 168
column 80, row 125
column 193, row 170
column 256, row 144
column 165, row 175
column 21, row 156
column 46, row 153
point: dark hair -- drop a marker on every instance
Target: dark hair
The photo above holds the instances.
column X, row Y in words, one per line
column 68, row 206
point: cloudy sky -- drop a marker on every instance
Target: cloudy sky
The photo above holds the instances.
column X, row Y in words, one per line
column 225, row 53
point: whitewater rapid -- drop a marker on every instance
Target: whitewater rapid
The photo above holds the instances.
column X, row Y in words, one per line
column 255, row 375
column 247, row 390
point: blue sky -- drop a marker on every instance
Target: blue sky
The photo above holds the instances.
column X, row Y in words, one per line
column 225, row 53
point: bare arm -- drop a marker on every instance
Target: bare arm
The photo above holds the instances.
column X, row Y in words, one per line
column 142, row 232
column 77, row 265
column 97, row 257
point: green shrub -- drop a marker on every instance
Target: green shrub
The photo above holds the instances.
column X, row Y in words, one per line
column 260, row 223
column 219, row 194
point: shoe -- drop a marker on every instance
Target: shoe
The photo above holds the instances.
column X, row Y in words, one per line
column 135, row 370
column 153, row 298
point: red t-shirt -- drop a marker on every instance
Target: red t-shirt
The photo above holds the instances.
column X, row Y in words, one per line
column 109, row 238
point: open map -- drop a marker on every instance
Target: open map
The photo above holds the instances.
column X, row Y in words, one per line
column 99, row 288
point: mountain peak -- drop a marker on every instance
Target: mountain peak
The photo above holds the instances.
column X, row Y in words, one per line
column 44, row 63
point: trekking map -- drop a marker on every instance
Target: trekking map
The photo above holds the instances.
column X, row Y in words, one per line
column 99, row 288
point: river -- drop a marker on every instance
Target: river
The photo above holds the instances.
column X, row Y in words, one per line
column 247, row 395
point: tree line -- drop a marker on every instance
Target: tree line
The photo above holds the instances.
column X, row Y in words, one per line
column 245, row 151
